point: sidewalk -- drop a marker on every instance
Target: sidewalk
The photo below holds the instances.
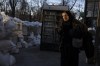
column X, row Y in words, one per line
column 34, row 57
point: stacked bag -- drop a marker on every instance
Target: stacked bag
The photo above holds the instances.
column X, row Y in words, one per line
column 6, row 46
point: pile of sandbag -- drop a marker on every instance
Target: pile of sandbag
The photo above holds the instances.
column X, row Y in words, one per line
column 6, row 32
column 6, row 46
column 11, row 37
column 13, row 27
column 35, row 31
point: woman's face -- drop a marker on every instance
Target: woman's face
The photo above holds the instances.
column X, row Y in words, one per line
column 65, row 16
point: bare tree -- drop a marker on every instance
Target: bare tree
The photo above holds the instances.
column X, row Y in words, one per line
column 42, row 2
column 69, row 4
column 73, row 4
column 36, row 7
column 76, row 7
column 24, row 5
column 13, row 4
column 1, row 5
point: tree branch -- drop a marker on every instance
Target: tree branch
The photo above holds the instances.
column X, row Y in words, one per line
column 11, row 4
column 73, row 5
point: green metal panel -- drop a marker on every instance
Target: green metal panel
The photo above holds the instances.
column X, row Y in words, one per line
column 49, row 34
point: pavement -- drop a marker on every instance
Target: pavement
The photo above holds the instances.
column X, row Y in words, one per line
column 34, row 57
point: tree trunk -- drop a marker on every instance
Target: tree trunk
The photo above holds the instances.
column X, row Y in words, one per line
column 13, row 12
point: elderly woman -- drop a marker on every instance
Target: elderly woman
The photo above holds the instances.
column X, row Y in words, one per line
column 71, row 36
column 69, row 54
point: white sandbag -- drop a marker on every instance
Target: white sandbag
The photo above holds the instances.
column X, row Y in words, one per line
column 24, row 43
column 10, row 25
column 14, row 48
column 7, row 59
column 12, row 60
column 31, row 35
column 5, row 17
column 21, row 40
column 2, row 32
column 31, row 42
column 17, row 20
column 19, row 45
column 7, row 28
column 1, row 20
column 36, row 24
column 6, row 45
column 37, row 40
column 31, row 39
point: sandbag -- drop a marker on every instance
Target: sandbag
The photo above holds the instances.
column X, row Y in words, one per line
column 10, row 27
column 7, row 59
column 19, row 45
column 37, row 40
column 24, row 43
column 6, row 45
column 2, row 32
column 1, row 22
column 14, row 48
